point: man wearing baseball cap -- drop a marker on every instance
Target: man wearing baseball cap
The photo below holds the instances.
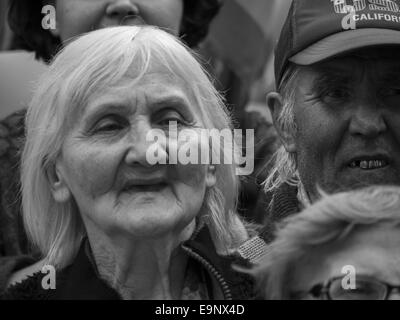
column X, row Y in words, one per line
column 337, row 109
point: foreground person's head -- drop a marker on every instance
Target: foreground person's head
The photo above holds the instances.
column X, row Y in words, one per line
column 85, row 167
column 345, row 246
column 186, row 18
column 337, row 108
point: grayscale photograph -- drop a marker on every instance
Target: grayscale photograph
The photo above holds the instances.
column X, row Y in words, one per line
column 205, row 156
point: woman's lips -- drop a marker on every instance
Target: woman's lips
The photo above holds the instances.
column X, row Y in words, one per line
column 156, row 187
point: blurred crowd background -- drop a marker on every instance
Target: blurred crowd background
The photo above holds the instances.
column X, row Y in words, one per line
column 239, row 47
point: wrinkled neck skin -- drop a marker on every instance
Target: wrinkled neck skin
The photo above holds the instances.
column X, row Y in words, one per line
column 141, row 268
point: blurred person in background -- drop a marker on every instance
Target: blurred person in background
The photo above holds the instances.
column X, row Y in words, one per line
column 241, row 55
column 18, row 69
column 345, row 246
column 3, row 24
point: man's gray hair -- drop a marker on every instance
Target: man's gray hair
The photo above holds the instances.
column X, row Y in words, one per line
column 285, row 167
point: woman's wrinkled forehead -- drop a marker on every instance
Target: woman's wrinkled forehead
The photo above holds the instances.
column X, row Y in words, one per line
column 157, row 83
column 159, row 62
column 156, row 69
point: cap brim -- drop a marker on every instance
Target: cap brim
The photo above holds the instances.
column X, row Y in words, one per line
column 342, row 42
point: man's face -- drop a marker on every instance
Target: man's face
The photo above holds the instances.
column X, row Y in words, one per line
column 347, row 113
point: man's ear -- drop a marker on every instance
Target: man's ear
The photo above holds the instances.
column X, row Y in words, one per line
column 275, row 105
column 211, row 177
column 59, row 188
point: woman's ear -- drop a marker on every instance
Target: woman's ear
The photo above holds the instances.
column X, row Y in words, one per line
column 275, row 105
column 58, row 185
column 211, row 178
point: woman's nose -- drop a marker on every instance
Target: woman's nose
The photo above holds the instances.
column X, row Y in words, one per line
column 143, row 147
column 122, row 8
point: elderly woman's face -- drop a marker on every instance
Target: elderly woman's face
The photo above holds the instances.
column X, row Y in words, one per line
column 104, row 166
column 361, row 265
column 75, row 17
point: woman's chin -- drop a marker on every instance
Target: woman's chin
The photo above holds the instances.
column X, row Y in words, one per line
column 145, row 200
column 150, row 221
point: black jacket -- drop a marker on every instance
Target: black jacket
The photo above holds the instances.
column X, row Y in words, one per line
column 80, row 280
column 284, row 204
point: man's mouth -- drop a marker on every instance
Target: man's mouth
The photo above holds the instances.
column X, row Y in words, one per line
column 369, row 164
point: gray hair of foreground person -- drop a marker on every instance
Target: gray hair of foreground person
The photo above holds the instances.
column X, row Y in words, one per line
column 330, row 219
column 83, row 68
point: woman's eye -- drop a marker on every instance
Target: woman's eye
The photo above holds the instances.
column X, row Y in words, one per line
column 171, row 116
column 106, row 125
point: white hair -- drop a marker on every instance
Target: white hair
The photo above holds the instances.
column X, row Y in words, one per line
column 332, row 218
column 284, row 168
column 88, row 65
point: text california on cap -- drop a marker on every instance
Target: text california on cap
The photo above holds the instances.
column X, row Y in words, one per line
column 319, row 29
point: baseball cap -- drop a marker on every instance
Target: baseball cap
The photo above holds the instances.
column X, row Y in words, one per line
column 316, row 30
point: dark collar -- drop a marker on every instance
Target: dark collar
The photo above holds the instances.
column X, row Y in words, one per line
column 75, row 282
column 240, row 284
column 80, row 280
column 284, row 204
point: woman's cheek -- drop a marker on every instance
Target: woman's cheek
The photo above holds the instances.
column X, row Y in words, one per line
column 192, row 175
column 192, row 149
column 92, row 170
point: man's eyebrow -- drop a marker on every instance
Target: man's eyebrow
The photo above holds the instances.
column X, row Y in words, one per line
column 328, row 77
column 392, row 74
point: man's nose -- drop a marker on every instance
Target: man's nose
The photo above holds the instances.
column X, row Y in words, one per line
column 122, row 8
column 367, row 120
column 142, row 146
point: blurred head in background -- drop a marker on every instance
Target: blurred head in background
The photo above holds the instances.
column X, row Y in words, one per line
column 188, row 19
column 343, row 247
